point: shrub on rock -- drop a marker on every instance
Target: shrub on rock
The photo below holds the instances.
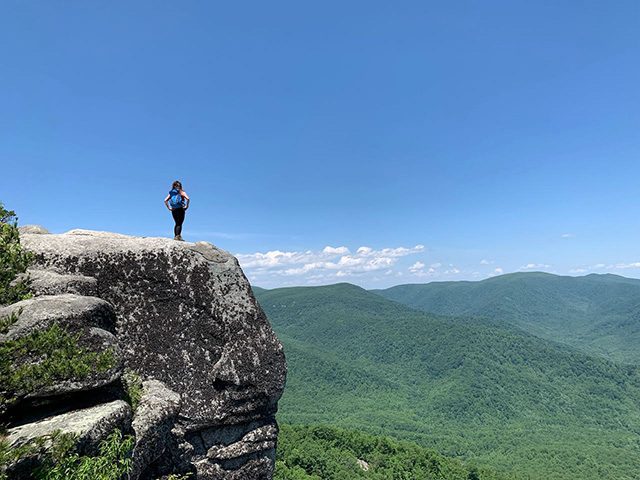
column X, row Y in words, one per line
column 13, row 259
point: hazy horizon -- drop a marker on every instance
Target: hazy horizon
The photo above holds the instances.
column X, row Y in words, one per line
column 355, row 283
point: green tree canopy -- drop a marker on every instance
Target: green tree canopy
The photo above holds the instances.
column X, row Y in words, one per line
column 13, row 259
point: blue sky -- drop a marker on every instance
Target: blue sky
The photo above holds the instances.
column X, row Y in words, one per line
column 418, row 141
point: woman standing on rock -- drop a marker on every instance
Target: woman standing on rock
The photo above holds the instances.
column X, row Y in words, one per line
column 177, row 202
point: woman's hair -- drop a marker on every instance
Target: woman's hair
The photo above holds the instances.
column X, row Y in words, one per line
column 177, row 185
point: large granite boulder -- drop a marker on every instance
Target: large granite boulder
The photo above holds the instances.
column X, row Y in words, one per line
column 186, row 316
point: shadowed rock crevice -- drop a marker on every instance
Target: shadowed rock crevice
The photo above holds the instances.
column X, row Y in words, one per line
column 34, row 409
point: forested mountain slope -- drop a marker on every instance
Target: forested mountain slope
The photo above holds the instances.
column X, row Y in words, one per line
column 481, row 391
column 597, row 313
column 327, row 453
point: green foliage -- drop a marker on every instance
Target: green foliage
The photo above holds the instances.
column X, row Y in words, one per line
column 10, row 455
column 481, row 391
column 112, row 463
column 599, row 314
column 41, row 359
column 58, row 459
column 6, row 322
column 45, row 357
column 473, row 474
column 133, row 388
column 327, row 453
column 13, row 259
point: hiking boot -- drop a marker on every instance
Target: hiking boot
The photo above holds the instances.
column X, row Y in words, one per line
column 179, row 238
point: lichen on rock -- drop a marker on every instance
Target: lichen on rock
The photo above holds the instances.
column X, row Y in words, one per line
column 184, row 318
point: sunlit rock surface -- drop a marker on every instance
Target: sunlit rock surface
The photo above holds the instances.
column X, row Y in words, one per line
column 185, row 316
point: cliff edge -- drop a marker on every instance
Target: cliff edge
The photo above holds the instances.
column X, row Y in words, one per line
column 180, row 315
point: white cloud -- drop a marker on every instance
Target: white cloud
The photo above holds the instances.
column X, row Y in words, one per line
column 597, row 266
column 567, row 235
column 389, row 252
column 484, row 261
column 622, row 266
column 498, row 271
column 534, row 266
column 335, row 250
column 416, row 267
column 331, row 262
column 419, row 270
column 272, row 258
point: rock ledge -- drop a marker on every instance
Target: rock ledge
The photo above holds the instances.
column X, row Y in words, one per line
column 186, row 321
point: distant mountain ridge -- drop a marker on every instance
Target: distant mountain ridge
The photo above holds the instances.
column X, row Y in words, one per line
column 482, row 390
column 599, row 314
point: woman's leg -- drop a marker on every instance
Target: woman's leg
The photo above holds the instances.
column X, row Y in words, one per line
column 178, row 217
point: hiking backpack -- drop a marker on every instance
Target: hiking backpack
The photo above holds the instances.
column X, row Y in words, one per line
column 175, row 199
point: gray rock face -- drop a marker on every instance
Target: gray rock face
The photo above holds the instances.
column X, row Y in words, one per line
column 186, row 316
column 43, row 282
column 90, row 425
column 33, row 229
column 153, row 421
column 71, row 311
column 258, row 439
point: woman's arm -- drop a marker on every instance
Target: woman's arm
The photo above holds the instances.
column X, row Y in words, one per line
column 166, row 202
column 186, row 197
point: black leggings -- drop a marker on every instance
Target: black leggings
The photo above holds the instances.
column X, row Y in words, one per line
column 178, row 217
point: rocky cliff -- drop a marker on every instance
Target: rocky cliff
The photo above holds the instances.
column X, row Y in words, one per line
column 180, row 315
